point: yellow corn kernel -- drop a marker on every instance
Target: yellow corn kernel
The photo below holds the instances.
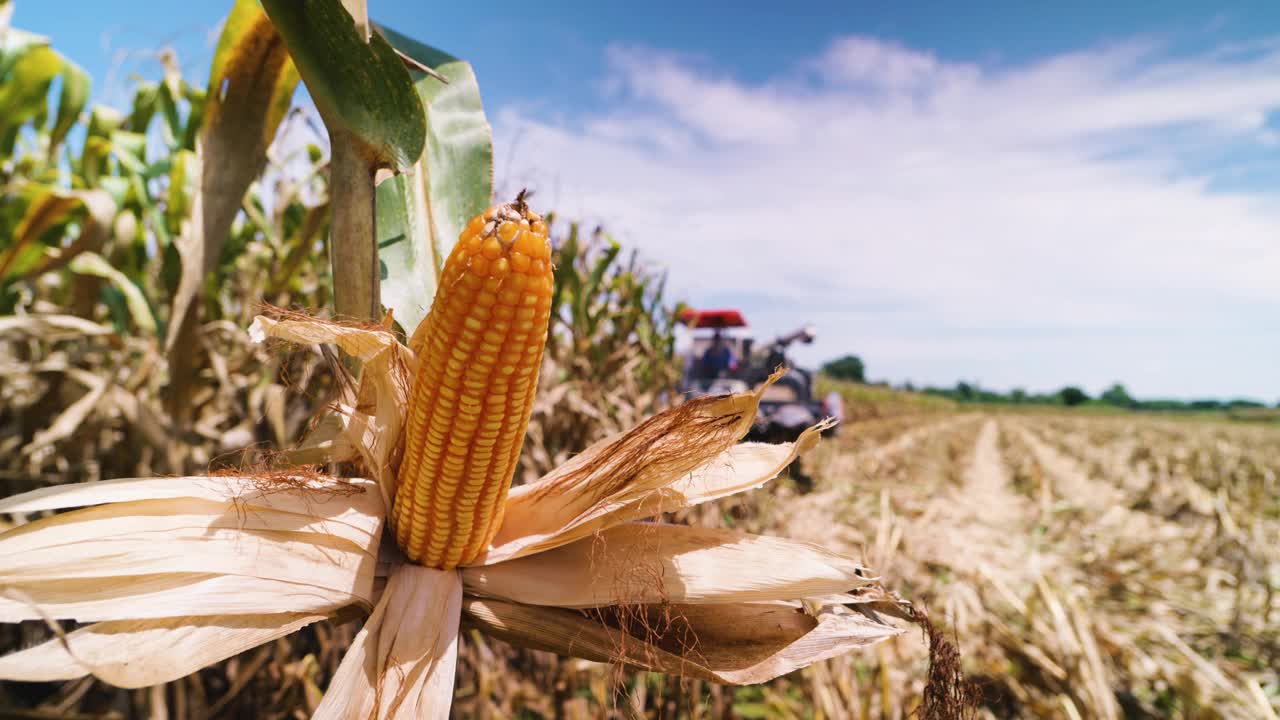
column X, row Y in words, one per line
column 480, row 351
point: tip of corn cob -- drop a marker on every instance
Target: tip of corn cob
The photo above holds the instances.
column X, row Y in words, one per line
column 505, row 221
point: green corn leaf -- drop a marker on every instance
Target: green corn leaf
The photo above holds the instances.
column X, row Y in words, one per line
column 602, row 265
column 116, row 187
column 25, row 88
column 146, row 100
column 361, row 87
column 130, row 150
column 44, row 224
column 421, row 214
column 103, row 121
column 14, row 43
column 71, row 102
column 375, row 121
column 89, row 263
column 182, row 186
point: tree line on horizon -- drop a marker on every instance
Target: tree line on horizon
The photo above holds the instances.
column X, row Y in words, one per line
column 853, row 369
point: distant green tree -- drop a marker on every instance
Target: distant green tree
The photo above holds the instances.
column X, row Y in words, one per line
column 1117, row 395
column 849, row 367
column 1018, row 395
column 1072, row 396
column 1244, row 403
column 964, row 390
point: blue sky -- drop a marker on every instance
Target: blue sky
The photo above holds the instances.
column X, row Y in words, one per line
column 1000, row 194
column 550, row 53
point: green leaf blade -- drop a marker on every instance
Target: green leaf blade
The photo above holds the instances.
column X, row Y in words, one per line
column 361, row 88
column 420, row 216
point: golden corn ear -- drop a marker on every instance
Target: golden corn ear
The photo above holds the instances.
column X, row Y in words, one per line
column 480, row 349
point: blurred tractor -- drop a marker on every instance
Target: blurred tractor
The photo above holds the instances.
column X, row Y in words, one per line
column 723, row 359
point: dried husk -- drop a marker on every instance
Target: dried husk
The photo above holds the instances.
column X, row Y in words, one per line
column 655, row 562
column 372, row 420
column 737, row 643
column 138, row 653
column 401, row 664
column 360, row 342
column 191, row 546
column 663, row 465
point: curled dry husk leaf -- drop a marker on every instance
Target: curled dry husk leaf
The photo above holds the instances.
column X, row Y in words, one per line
column 369, row 423
column 645, row 563
column 738, row 643
column 138, row 653
column 216, row 550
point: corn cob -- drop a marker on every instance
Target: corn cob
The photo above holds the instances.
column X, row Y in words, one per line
column 480, row 350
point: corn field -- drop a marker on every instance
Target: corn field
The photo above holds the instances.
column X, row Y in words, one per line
column 297, row 419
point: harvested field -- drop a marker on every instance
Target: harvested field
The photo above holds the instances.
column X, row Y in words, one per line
column 1108, row 567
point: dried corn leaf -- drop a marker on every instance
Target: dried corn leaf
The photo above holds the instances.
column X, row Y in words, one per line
column 652, row 563
column 402, row 662
column 739, row 644
column 274, row 403
column 69, row 420
column 125, row 538
column 252, row 79
column 137, row 653
column 52, row 328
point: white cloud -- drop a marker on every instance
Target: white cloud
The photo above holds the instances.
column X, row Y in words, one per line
column 869, row 62
column 1052, row 203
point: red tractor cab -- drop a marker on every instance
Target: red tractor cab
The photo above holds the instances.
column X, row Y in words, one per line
column 722, row 359
column 712, row 318
column 720, row 347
